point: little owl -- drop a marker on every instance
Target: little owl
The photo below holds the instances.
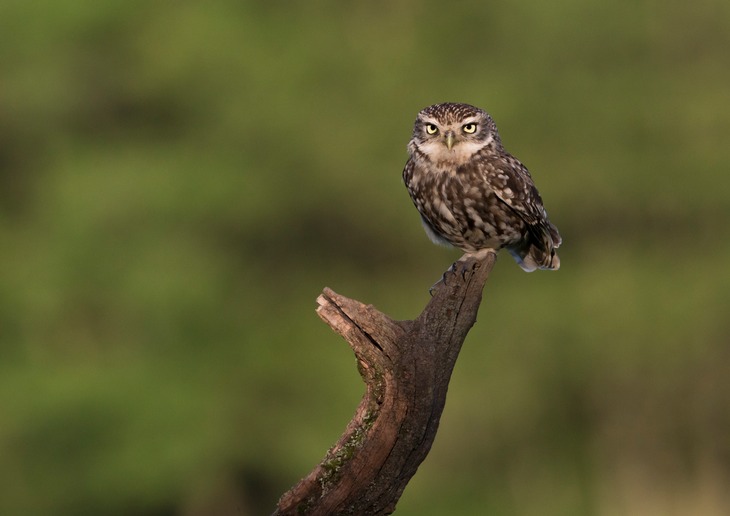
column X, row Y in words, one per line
column 471, row 193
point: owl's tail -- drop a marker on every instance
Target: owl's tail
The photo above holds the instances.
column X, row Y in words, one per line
column 538, row 249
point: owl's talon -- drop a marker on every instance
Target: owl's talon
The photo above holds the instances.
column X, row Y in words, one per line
column 432, row 288
column 458, row 267
column 442, row 280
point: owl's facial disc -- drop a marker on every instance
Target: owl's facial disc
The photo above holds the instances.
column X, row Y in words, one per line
column 450, row 143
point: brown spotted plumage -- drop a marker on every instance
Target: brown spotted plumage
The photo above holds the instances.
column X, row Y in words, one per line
column 471, row 193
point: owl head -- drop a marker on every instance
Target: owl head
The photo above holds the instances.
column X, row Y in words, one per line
column 453, row 133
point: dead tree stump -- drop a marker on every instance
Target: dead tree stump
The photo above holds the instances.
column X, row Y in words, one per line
column 406, row 366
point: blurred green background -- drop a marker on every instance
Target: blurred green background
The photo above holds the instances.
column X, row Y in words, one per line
column 179, row 180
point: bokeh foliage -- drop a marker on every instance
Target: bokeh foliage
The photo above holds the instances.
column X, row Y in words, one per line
column 178, row 181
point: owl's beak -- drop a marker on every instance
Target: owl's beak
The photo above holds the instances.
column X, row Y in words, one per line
column 449, row 139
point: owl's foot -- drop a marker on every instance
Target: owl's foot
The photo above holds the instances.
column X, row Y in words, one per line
column 480, row 255
column 433, row 287
column 443, row 278
column 458, row 267
column 466, row 262
column 461, row 266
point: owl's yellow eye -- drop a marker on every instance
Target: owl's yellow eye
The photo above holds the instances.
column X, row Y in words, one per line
column 469, row 128
column 431, row 129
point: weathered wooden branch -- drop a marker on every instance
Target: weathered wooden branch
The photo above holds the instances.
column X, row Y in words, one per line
column 406, row 366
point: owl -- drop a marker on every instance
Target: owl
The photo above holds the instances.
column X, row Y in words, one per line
column 471, row 193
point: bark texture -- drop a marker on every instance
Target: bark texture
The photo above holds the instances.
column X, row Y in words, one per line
column 406, row 366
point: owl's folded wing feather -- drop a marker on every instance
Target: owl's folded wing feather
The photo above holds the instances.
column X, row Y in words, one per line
column 512, row 184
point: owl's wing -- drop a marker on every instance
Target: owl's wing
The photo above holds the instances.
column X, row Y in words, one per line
column 511, row 182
